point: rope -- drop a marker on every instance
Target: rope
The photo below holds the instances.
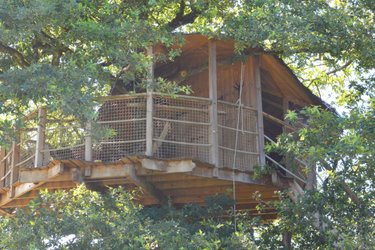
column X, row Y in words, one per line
column 239, row 115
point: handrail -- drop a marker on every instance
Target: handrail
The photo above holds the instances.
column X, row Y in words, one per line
column 285, row 169
column 239, row 151
column 6, row 174
column 236, row 105
column 271, row 117
column 183, row 143
column 182, row 121
column 183, row 96
column 305, row 164
column 124, row 120
column 135, row 95
column 235, row 129
column 26, row 160
column 7, row 156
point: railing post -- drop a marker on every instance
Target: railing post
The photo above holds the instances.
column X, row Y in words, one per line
column 41, row 136
column 258, row 86
column 88, row 141
column 2, row 166
column 149, row 106
column 212, row 78
column 14, row 168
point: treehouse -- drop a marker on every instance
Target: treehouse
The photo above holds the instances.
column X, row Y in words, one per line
column 176, row 149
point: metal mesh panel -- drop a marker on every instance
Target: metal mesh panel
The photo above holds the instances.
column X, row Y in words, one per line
column 247, row 148
column 27, row 143
column 123, row 122
column 64, row 139
column 181, row 127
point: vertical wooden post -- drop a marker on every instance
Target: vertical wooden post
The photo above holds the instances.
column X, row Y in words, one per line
column 41, row 136
column 212, row 79
column 258, row 85
column 2, row 166
column 14, row 173
column 285, row 110
column 88, row 142
column 149, row 106
column 311, row 178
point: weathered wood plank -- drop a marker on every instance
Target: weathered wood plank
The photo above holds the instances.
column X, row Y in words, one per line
column 180, row 166
column 149, row 105
column 88, row 142
column 14, row 174
column 40, row 174
column 2, row 166
column 258, row 84
column 41, row 135
column 147, row 186
column 212, row 76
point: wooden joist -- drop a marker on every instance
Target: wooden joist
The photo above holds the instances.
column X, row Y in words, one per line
column 147, row 186
column 162, row 181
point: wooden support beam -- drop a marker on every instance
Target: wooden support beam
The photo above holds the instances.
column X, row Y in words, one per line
column 29, row 195
column 2, row 166
column 258, row 85
column 149, row 105
column 40, row 140
column 88, row 142
column 16, row 203
column 109, row 171
column 177, row 166
column 200, row 183
column 18, row 191
column 58, row 185
column 77, row 176
column 14, row 173
column 212, row 79
column 5, row 213
column 227, row 174
column 41, row 174
column 147, row 186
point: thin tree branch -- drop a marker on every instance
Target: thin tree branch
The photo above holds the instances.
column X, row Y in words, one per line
column 15, row 54
column 352, row 195
column 181, row 19
column 340, row 68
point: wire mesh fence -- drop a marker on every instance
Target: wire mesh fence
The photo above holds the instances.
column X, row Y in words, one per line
column 64, row 138
column 27, row 142
column 238, row 136
column 181, row 127
column 122, row 123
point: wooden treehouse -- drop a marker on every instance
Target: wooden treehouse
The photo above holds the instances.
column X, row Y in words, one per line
column 177, row 149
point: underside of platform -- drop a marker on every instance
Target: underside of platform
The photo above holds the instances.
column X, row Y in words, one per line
column 160, row 182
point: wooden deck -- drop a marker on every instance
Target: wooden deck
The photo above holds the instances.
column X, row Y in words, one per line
column 167, row 154
column 160, row 182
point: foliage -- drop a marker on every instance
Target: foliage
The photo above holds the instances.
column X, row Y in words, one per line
column 84, row 219
column 63, row 54
column 340, row 211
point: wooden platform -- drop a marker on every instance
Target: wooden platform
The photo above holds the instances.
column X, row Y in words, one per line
column 161, row 182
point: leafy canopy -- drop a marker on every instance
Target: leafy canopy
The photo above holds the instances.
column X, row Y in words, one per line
column 84, row 219
column 63, row 54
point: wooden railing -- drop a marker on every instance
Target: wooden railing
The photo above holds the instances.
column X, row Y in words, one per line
column 177, row 127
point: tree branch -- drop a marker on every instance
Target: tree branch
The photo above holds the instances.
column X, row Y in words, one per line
column 15, row 54
column 352, row 195
column 181, row 19
column 340, row 68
